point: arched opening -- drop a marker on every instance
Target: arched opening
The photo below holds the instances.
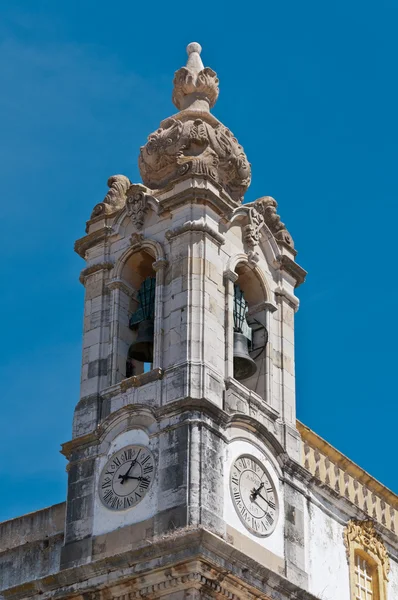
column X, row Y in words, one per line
column 365, row 577
column 138, row 307
column 250, row 329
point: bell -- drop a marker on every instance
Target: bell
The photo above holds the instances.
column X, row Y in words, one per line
column 244, row 365
column 142, row 348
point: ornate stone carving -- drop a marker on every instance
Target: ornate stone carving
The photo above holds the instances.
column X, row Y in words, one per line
column 196, row 147
column 136, row 240
column 115, row 198
column 266, row 207
column 100, row 266
column 252, row 231
column 137, row 205
column 194, row 81
column 364, row 535
column 193, row 142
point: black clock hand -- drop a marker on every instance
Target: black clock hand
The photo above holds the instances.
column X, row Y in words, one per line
column 265, row 500
column 256, row 492
column 139, row 478
column 133, row 462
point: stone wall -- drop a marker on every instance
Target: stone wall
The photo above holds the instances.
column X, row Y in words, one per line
column 30, row 546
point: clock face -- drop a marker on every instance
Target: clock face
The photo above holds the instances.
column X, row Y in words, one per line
column 126, row 477
column 254, row 495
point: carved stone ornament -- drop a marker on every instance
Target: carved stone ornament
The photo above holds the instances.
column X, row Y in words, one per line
column 262, row 211
column 137, row 205
column 193, row 142
column 362, row 534
column 115, row 198
column 194, row 81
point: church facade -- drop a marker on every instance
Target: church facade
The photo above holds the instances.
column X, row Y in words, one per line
column 189, row 475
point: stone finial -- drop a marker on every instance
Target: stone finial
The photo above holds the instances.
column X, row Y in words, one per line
column 195, row 86
column 193, row 142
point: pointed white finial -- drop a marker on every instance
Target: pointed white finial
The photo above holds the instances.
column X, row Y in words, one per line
column 194, row 62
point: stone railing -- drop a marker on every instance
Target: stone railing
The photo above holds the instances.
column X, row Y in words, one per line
column 348, row 480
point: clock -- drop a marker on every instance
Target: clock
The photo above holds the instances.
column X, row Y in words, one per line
column 254, row 495
column 126, row 477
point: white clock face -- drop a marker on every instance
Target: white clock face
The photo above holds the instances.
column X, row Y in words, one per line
column 126, row 477
column 254, row 495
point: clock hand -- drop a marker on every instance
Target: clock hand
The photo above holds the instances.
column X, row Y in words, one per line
column 138, row 478
column 133, row 462
column 256, row 492
column 265, row 499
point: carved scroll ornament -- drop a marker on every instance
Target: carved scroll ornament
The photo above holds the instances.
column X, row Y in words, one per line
column 363, row 535
column 115, row 198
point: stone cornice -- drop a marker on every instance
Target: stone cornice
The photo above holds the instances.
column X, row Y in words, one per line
column 142, row 379
column 200, row 226
column 197, row 190
column 92, row 239
column 101, row 266
column 285, row 263
column 185, row 558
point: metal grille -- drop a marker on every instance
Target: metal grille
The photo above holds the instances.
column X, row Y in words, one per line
column 364, row 581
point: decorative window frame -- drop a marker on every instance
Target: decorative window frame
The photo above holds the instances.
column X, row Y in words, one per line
column 360, row 537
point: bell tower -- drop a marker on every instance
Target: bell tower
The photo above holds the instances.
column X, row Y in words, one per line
column 185, row 431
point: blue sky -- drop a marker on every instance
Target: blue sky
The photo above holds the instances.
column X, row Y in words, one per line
column 310, row 90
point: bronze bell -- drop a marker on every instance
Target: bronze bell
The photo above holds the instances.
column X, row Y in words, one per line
column 244, row 365
column 142, row 348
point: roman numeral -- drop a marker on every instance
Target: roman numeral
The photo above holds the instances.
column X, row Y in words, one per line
column 237, row 496
column 269, row 518
column 255, row 524
column 108, row 496
column 144, row 483
column 137, row 495
column 127, row 502
column 148, row 469
column 116, row 462
column 243, row 462
column 106, row 484
column 145, row 460
column 271, row 504
column 244, row 513
column 269, row 490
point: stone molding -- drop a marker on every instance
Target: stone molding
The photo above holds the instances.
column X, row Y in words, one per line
column 205, row 561
column 142, row 379
column 196, row 580
column 92, row 239
column 190, row 189
column 160, row 264
column 285, row 263
column 119, row 284
column 115, row 198
column 348, row 480
column 101, row 266
column 200, row 225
